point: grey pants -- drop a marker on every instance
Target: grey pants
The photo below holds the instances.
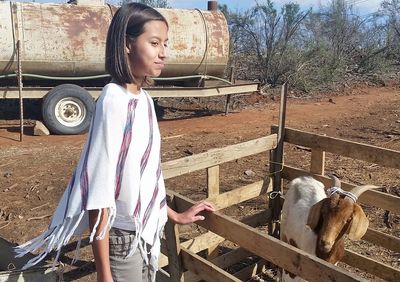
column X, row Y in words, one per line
column 131, row 269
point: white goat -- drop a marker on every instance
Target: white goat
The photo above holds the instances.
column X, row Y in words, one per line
column 316, row 221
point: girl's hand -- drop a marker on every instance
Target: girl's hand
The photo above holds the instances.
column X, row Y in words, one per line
column 192, row 214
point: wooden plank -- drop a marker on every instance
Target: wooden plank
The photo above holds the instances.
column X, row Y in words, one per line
column 250, row 271
column 217, row 156
column 213, row 181
column 239, row 195
column 212, row 252
column 317, row 165
column 203, row 268
column 213, row 190
column 261, row 218
column 228, row 97
column 162, row 261
column 268, row 247
column 191, row 277
column 372, row 197
column 202, row 92
column 202, row 242
column 196, row 244
column 371, row 266
column 162, row 276
column 222, row 261
column 230, row 258
column 173, row 246
column 355, row 150
column 199, row 243
column 381, row 239
column 276, row 165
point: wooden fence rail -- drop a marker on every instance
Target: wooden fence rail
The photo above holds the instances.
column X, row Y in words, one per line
column 345, row 148
column 371, row 197
column 371, row 266
column 218, row 156
column 268, row 247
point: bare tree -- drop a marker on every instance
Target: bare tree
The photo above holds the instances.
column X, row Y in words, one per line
column 391, row 9
column 151, row 3
column 314, row 48
column 265, row 35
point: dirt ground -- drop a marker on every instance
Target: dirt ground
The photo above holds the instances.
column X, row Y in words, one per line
column 34, row 173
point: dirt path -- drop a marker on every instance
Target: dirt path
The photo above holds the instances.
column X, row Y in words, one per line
column 305, row 114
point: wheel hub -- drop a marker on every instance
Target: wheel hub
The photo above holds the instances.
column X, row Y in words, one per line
column 70, row 111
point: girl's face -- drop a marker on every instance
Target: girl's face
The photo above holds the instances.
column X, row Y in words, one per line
column 148, row 51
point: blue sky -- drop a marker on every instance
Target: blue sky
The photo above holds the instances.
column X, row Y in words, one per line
column 362, row 6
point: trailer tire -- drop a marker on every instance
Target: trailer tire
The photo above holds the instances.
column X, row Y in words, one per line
column 68, row 109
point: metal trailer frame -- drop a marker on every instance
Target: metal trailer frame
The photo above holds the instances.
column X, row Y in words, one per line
column 156, row 92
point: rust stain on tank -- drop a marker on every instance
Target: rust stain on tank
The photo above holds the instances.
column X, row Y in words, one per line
column 174, row 20
column 180, row 46
column 82, row 20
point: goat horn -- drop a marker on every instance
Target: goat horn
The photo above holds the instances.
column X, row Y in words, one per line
column 335, row 181
column 358, row 190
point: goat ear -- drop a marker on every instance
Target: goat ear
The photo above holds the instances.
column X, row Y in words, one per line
column 359, row 224
column 314, row 215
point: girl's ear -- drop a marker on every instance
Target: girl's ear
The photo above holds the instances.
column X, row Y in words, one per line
column 128, row 45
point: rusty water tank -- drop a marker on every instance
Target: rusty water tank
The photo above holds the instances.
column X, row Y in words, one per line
column 69, row 40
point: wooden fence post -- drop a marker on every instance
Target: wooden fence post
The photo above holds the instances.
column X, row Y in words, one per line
column 317, row 165
column 276, row 167
column 213, row 181
column 173, row 246
column 228, row 97
column 212, row 191
column 20, row 85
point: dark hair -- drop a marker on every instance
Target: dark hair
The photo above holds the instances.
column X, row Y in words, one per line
column 128, row 21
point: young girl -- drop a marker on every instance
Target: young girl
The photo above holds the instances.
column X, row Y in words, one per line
column 117, row 188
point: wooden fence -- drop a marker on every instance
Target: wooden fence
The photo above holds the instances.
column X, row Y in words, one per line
column 319, row 145
column 183, row 259
column 180, row 261
column 184, row 264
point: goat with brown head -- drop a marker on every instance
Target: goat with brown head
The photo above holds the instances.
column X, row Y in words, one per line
column 333, row 217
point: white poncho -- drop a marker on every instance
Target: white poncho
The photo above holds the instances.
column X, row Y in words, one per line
column 119, row 167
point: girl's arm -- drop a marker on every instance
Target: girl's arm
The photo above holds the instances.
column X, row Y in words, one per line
column 100, row 247
column 191, row 214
